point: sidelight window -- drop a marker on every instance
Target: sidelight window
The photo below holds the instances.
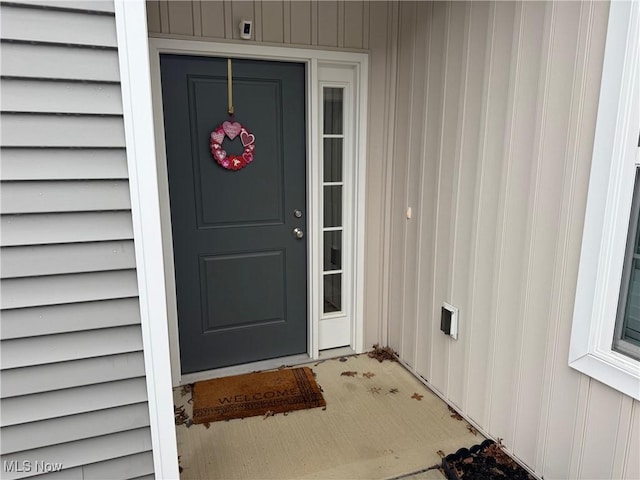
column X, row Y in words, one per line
column 339, row 201
column 333, row 142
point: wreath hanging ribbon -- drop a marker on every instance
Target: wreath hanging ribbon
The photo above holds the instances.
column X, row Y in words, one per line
column 232, row 129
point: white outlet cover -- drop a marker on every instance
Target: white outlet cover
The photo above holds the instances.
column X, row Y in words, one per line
column 454, row 319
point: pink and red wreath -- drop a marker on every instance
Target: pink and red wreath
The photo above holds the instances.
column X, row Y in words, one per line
column 232, row 130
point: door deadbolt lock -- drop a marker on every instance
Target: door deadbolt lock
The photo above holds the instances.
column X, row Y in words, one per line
column 297, row 213
column 298, row 233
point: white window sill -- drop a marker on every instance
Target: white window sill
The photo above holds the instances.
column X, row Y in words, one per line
column 615, row 156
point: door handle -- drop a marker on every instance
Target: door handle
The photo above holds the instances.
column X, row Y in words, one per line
column 298, row 233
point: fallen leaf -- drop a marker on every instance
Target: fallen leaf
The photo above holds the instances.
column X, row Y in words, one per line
column 349, row 373
column 454, row 414
column 375, row 389
column 383, row 353
column 368, row 374
column 393, row 390
column 417, row 396
column 181, row 416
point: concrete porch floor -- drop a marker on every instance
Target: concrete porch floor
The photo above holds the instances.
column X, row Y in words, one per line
column 381, row 425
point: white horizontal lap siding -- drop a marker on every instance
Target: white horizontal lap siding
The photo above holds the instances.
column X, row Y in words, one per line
column 25, row 352
column 59, row 62
column 64, row 196
column 63, row 164
column 36, row 260
column 70, row 317
column 75, row 454
column 75, row 373
column 72, row 366
column 62, row 403
column 35, row 130
column 57, row 289
column 55, row 26
column 131, row 466
column 45, row 96
column 39, row 229
column 98, row 6
column 61, row 430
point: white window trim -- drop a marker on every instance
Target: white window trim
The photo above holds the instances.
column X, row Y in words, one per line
column 335, row 327
column 615, row 154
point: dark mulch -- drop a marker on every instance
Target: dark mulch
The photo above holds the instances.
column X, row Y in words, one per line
column 486, row 461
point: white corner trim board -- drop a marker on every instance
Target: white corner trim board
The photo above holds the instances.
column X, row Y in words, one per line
column 133, row 54
column 615, row 155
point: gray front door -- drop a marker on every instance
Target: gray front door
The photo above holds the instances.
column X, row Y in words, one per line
column 241, row 273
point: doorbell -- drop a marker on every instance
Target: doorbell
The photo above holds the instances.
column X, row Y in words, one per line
column 246, row 27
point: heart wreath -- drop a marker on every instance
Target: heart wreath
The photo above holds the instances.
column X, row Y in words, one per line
column 232, row 130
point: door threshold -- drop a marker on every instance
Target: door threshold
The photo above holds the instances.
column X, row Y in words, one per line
column 270, row 364
column 335, row 352
column 245, row 368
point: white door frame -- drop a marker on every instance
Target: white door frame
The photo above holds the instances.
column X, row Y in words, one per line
column 313, row 59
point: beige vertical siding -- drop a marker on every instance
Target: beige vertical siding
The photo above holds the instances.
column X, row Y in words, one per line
column 332, row 24
column 496, row 109
column 72, row 367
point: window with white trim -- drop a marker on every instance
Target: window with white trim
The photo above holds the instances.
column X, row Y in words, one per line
column 627, row 333
column 337, row 140
column 603, row 342
column 333, row 182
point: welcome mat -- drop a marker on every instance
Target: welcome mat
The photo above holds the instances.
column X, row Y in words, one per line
column 255, row 394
